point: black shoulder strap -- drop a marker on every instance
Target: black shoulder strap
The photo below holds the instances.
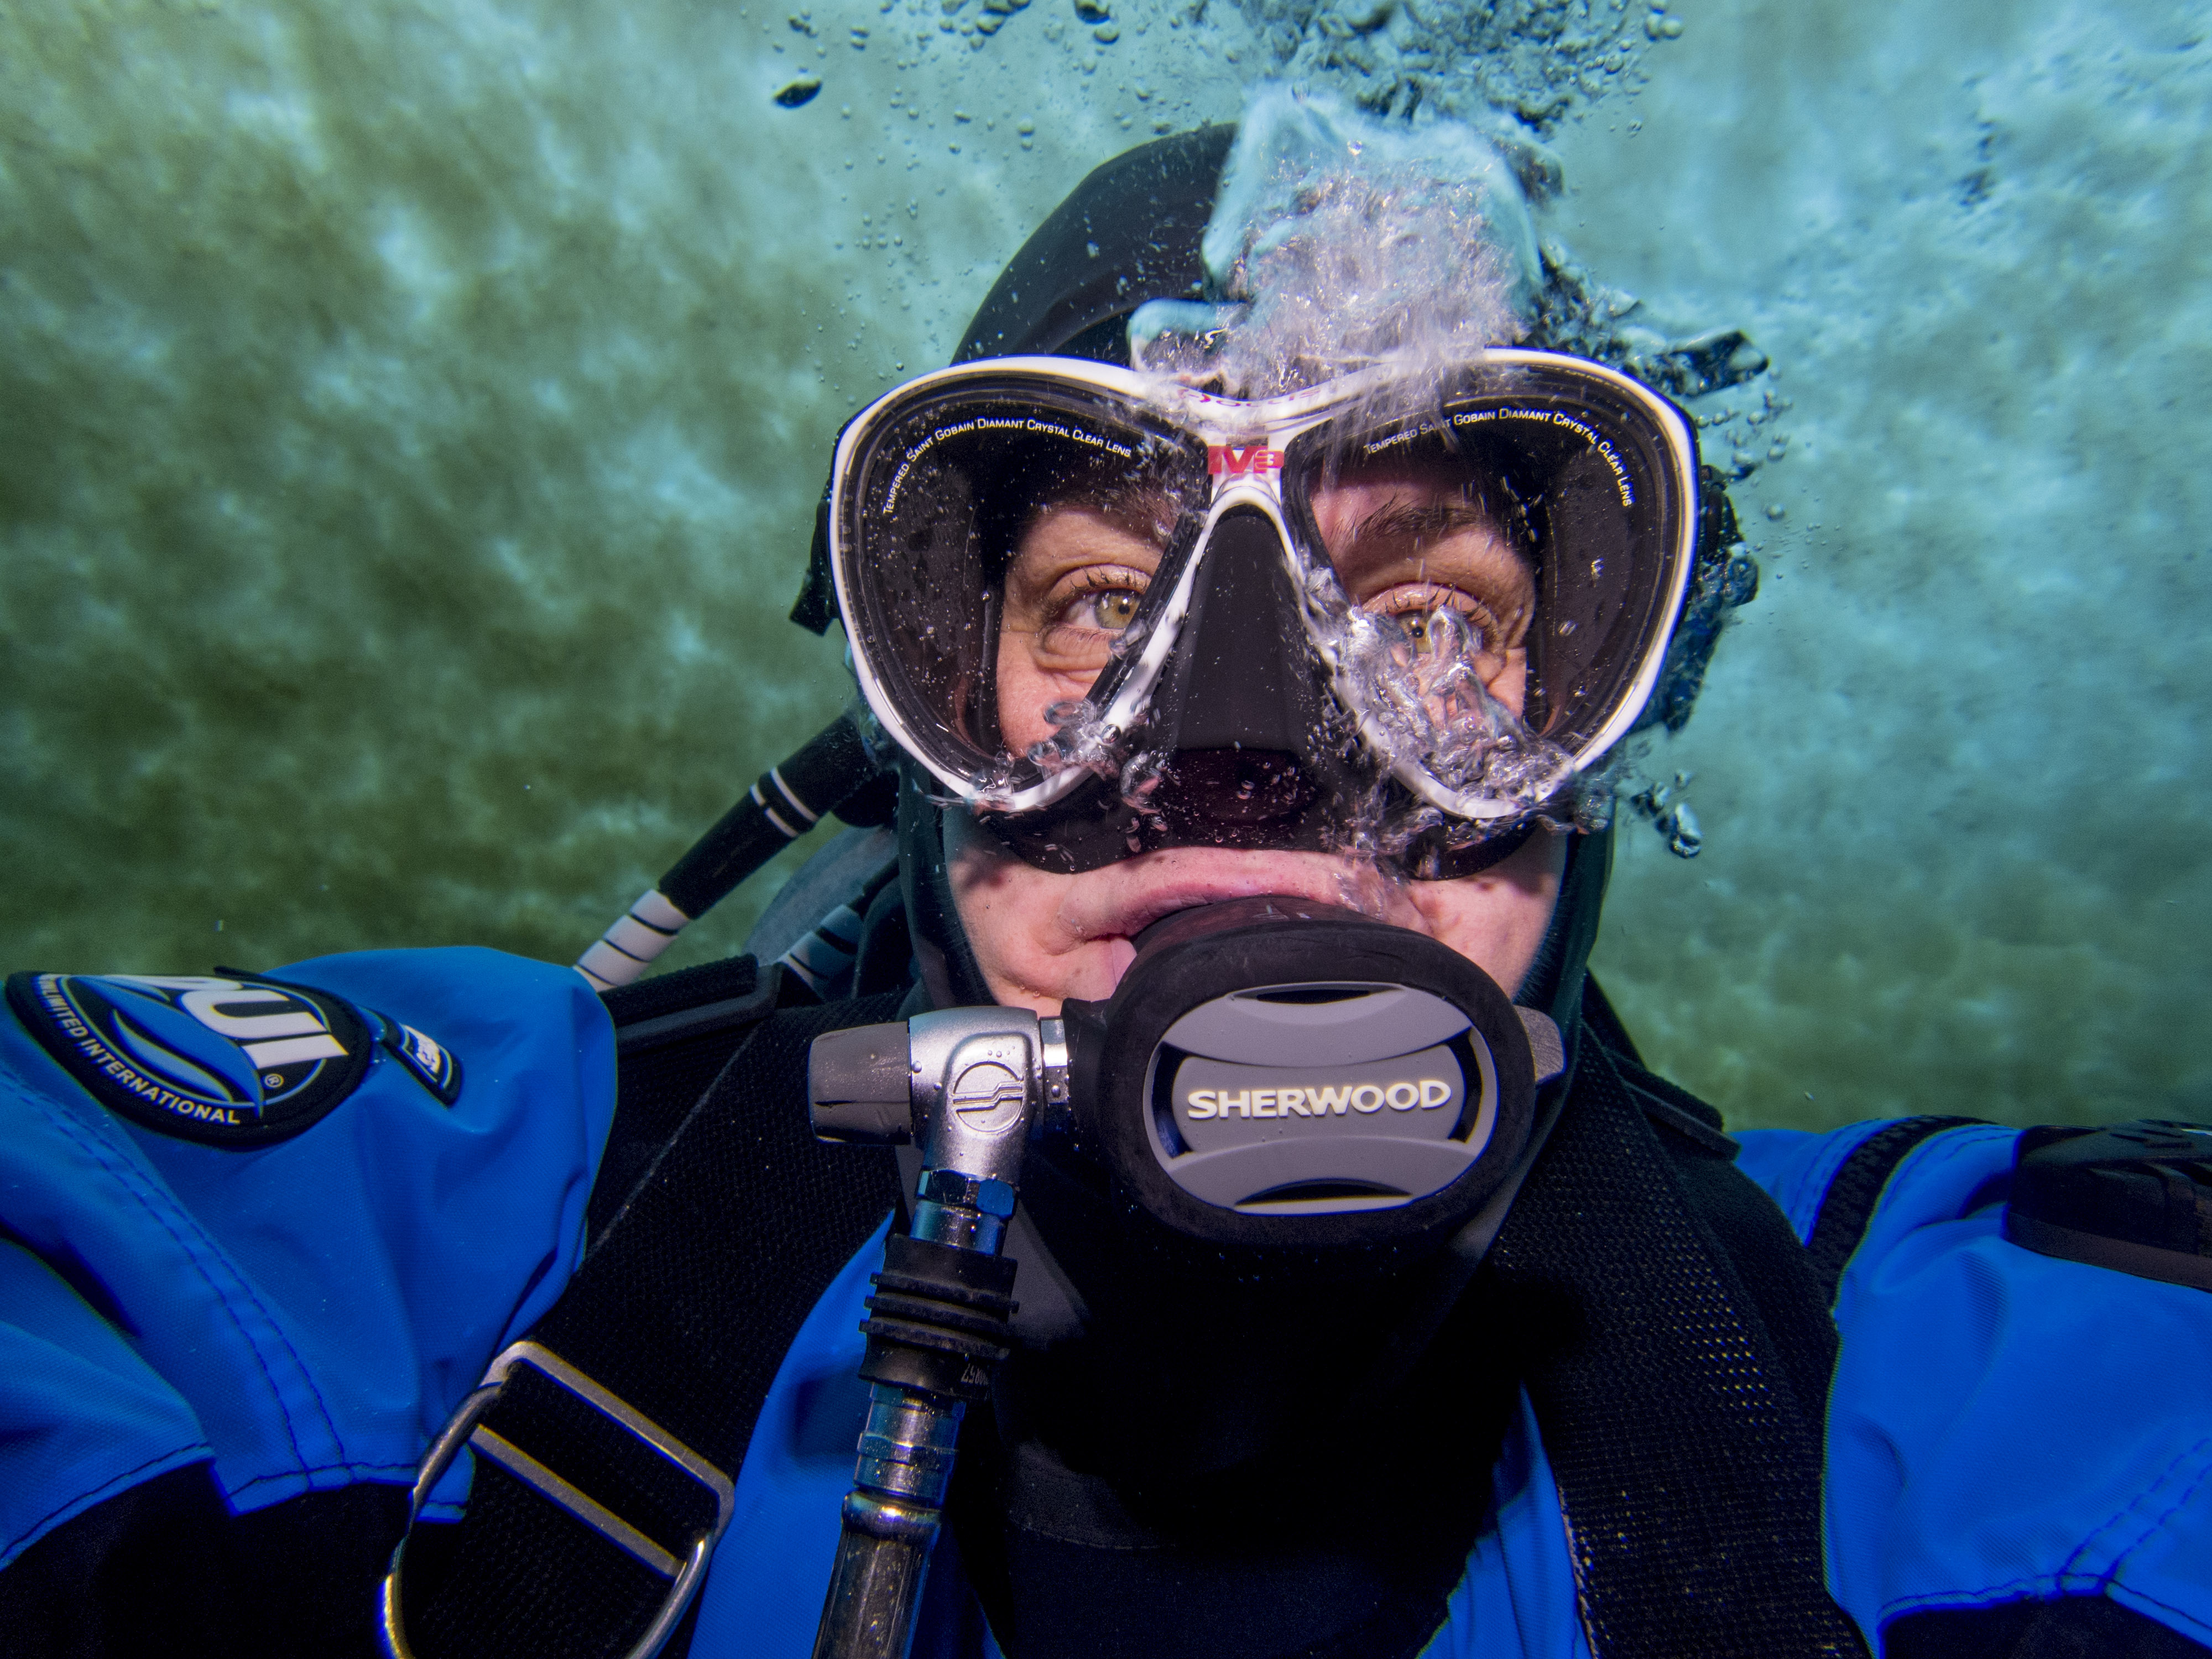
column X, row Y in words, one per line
column 1677, row 1354
column 673, row 1035
column 697, row 1285
column 1667, row 1105
column 1849, row 1203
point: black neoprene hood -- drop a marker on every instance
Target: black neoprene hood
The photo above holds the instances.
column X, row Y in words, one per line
column 1127, row 234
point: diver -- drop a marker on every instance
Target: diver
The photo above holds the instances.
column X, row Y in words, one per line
column 1190, row 1164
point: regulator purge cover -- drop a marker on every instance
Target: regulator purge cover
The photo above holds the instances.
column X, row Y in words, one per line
column 1274, row 1071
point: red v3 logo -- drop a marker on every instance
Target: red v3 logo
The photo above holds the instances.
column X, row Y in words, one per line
column 1223, row 461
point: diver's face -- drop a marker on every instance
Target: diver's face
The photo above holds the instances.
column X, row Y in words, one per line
column 1403, row 546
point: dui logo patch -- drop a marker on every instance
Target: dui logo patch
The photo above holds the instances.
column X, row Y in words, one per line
column 235, row 1061
column 428, row 1060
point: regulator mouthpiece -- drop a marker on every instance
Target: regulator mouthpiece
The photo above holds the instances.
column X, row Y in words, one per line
column 1276, row 1072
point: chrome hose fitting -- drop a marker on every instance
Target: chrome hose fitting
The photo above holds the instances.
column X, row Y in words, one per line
column 972, row 1085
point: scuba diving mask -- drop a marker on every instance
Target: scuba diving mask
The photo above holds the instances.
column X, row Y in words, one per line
column 1109, row 612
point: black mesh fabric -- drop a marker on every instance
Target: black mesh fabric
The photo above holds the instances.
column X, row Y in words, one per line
column 2071, row 1628
column 685, row 1309
column 1755, row 1234
column 656, row 1086
column 1669, row 1328
column 166, row 1569
column 1850, row 1202
column 1678, row 1366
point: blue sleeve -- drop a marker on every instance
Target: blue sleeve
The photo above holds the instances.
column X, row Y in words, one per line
column 2003, row 1426
column 763, row 1597
column 303, row 1315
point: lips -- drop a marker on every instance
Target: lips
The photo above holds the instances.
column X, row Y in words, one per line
column 1042, row 936
column 1122, row 900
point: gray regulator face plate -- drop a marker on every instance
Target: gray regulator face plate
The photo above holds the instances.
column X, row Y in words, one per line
column 1320, row 1099
column 1272, row 1071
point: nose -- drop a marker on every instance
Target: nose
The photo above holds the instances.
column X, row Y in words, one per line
column 1247, row 690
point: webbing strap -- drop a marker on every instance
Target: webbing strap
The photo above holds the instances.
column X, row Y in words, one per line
column 1683, row 1427
column 1849, row 1204
column 683, row 1310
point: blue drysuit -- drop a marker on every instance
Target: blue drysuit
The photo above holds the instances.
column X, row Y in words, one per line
column 305, row 1314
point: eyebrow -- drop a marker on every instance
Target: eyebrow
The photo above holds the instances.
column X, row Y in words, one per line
column 1145, row 503
column 1425, row 520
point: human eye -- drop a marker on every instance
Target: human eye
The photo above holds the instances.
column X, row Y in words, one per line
column 1439, row 620
column 1077, row 583
column 1088, row 608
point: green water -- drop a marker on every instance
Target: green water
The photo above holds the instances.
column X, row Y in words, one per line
column 413, row 417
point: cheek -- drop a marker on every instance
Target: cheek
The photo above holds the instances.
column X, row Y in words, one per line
column 1497, row 919
column 1021, row 714
column 1011, row 915
column 1511, row 687
column 1025, row 691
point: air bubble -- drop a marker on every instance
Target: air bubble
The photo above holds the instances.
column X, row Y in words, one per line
column 1427, row 240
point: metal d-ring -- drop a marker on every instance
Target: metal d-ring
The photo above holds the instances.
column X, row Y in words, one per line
column 464, row 1428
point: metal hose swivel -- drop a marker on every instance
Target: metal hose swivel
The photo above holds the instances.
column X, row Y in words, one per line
column 969, row 1084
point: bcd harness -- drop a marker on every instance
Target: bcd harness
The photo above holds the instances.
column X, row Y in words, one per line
column 1675, row 1339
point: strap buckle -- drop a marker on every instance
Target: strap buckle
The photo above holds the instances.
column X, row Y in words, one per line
column 465, row 1428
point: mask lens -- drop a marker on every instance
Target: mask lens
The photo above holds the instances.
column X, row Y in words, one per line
column 1520, row 543
column 1431, row 539
column 1001, row 545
